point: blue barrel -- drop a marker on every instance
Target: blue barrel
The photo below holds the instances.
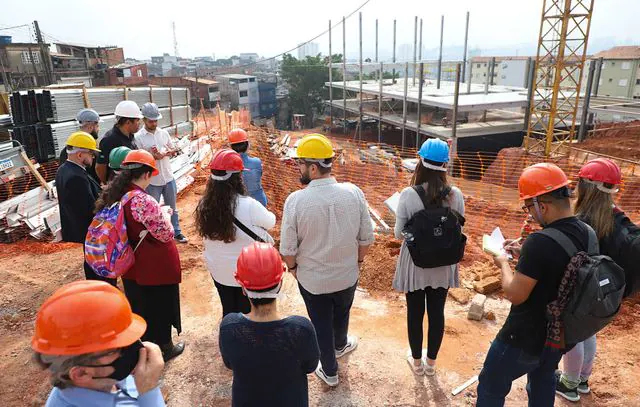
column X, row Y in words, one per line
column 5, row 39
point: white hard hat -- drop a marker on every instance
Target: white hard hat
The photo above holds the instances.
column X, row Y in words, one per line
column 128, row 109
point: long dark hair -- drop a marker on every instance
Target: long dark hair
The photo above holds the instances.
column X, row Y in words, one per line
column 118, row 186
column 436, row 181
column 216, row 210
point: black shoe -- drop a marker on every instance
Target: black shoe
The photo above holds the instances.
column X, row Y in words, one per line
column 181, row 238
column 170, row 351
column 566, row 392
column 584, row 388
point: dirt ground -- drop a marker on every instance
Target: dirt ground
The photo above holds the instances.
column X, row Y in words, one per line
column 375, row 375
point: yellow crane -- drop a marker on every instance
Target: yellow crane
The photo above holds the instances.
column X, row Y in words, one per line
column 562, row 50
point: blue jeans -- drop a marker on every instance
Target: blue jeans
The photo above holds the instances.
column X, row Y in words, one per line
column 169, row 192
column 329, row 314
column 506, row 363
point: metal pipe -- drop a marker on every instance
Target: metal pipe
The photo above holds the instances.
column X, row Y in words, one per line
column 376, row 40
column 419, row 121
column 415, row 49
column 493, row 69
column 360, row 108
column 420, row 46
column 330, row 81
column 381, row 77
column 585, row 104
column 404, row 103
column 464, row 57
column 531, row 75
column 597, row 86
column 454, row 121
column 393, row 79
column 344, row 75
column 440, row 54
column 470, row 76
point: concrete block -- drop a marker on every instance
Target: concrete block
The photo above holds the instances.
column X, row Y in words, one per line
column 476, row 309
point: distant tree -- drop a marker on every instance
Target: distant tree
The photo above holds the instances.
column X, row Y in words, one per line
column 367, row 60
column 305, row 80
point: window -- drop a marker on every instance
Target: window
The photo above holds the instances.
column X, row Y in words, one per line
column 478, row 66
column 484, row 74
column 252, row 79
column 485, row 64
column 139, row 74
column 35, row 57
column 626, row 65
column 243, row 94
column 610, row 80
column 623, row 82
column 637, row 81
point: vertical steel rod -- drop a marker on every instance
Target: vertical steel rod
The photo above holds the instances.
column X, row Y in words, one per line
column 360, row 108
column 344, row 75
column 585, row 104
column 470, row 76
column 415, row 49
column 376, row 40
column 597, row 85
column 381, row 77
column 493, row 70
column 393, row 79
column 420, row 46
column 440, row 54
column 419, row 121
column 454, row 121
column 464, row 57
column 330, row 81
column 531, row 75
column 404, row 103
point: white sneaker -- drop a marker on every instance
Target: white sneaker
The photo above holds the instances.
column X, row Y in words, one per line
column 331, row 381
column 417, row 370
column 352, row 344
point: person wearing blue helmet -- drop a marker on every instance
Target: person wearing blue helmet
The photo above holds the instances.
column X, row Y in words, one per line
column 425, row 286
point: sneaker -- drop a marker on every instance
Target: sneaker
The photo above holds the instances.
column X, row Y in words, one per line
column 566, row 392
column 584, row 388
column 181, row 238
column 352, row 344
column 429, row 370
column 417, row 370
column 331, row 381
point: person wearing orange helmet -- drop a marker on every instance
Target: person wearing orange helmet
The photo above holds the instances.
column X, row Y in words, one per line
column 617, row 235
column 228, row 219
column 152, row 284
column 239, row 141
column 271, row 371
column 89, row 340
column 521, row 345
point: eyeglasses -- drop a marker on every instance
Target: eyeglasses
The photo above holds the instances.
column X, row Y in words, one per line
column 525, row 207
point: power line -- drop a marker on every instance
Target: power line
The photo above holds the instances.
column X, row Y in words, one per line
column 15, row 26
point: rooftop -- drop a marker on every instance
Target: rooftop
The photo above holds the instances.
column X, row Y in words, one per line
column 200, row 80
column 621, row 52
column 126, row 65
column 236, row 76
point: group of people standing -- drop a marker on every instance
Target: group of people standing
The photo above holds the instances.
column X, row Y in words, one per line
column 325, row 235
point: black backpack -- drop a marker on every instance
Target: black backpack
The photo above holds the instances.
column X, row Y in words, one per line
column 597, row 295
column 624, row 248
column 434, row 235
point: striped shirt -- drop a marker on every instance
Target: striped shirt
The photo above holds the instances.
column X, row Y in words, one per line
column 322, row 226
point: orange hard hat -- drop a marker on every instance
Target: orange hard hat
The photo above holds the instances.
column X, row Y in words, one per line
column 238, row 136
column 138, row 158
column 85, row 317
column 540, row 179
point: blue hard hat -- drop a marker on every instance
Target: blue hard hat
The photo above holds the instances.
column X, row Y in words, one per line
column 88, row 115
column 435, row 150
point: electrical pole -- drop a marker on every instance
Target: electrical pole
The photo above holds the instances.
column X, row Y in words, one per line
column 45, row 55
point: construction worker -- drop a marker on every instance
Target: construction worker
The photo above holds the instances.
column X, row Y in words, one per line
column 325, row 235
column 239, row 141
column 116, row 157
column 158, row 142
column 89, row 340
column 89, row 122
column 77, row 192
column 271, row 371
column 128, row 117
column 152, row 283
column 519, row 347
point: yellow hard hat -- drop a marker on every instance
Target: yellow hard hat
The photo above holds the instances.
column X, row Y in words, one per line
column 315, row 147
column 81, row 139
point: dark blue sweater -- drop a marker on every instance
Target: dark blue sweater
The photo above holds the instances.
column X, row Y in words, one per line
column 270, row 360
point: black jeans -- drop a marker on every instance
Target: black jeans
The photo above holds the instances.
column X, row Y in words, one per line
column 329, row 314
column 91, row 275
column 233, row 299
column 435, row 300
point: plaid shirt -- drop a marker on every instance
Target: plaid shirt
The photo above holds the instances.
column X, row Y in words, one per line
column 322, row 226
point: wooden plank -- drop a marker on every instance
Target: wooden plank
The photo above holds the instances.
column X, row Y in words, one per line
column 35, row 172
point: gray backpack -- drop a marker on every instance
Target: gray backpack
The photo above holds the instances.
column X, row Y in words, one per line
column 597, row 295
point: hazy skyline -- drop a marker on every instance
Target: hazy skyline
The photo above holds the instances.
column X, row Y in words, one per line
column 143, row 29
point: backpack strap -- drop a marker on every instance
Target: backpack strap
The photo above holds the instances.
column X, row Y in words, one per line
column 129, row 196
column 422, row 194
column 248, row 231
column 566, row 243
column 437, row 201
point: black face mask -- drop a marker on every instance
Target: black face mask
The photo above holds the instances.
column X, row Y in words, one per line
column 124, row 365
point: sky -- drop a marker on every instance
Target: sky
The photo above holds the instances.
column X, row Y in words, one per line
column 222, row 29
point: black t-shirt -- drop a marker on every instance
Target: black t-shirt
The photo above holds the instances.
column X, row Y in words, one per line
column 545, row 261
column 112, row 139
column 270, row 360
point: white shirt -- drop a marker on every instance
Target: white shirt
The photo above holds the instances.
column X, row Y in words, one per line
column 220, row 257
column 145, row 140
column 323, row 225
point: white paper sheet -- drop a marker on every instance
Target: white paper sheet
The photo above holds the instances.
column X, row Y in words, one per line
column 494, row 243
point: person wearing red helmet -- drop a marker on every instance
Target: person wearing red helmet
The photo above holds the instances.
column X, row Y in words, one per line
column 228, row 219
column 152, row 284
column 239, row 141
column 599, row 181
column 271, row 371
column 520, row 346
column 89, row 341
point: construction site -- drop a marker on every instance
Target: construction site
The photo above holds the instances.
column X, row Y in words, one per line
column 494, row 132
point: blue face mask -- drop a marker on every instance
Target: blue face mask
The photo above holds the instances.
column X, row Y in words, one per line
column 124, row 365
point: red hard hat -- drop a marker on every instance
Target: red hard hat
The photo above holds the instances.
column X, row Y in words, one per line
column 601, row 170
column 85, row 317
column 226, row 160
column 137, row 158
column 259, row 267
column 540, row 179
column 238, row 136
